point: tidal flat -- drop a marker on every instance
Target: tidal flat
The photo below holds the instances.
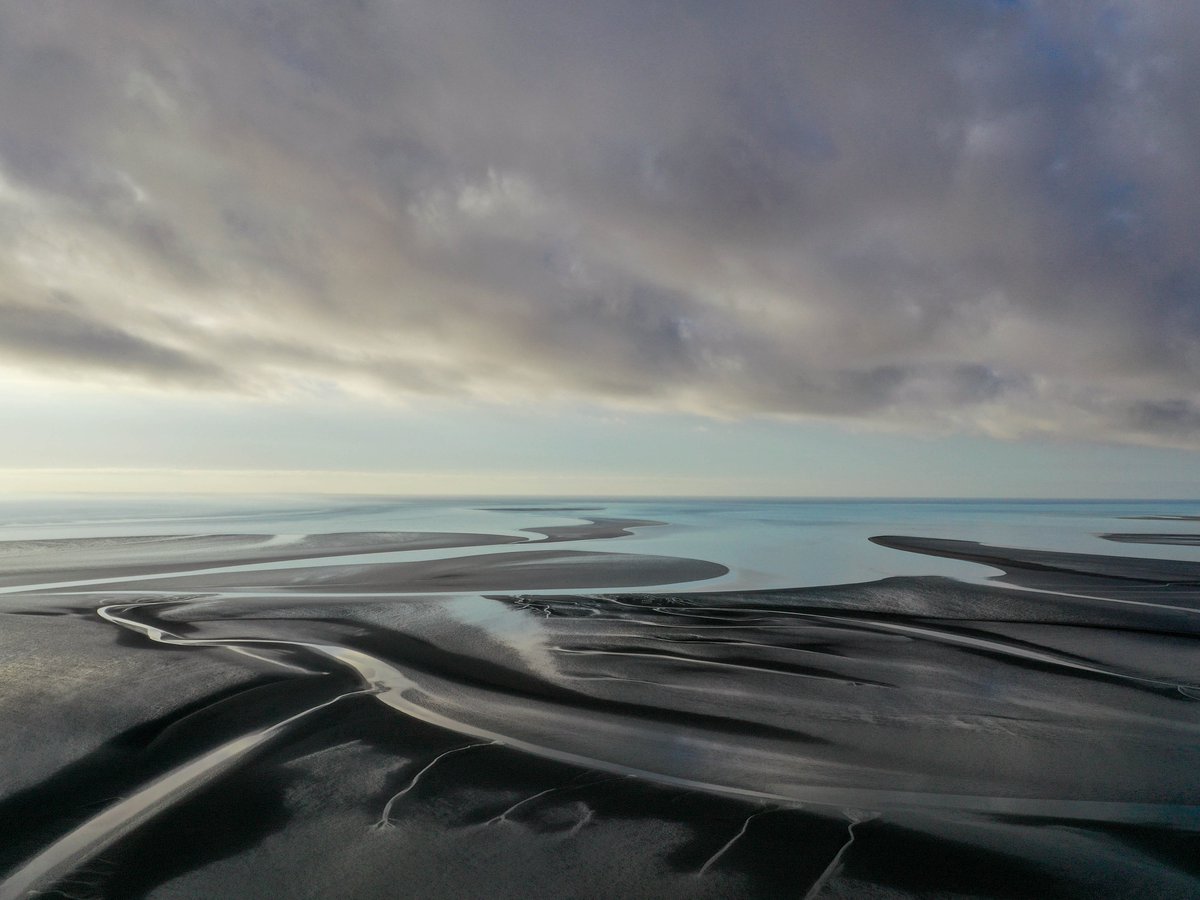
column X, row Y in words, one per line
column 594, row 698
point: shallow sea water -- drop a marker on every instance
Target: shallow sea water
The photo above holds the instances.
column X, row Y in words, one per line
column 765, row 543
column 313, row 710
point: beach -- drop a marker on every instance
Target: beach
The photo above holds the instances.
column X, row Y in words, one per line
column 437, row 713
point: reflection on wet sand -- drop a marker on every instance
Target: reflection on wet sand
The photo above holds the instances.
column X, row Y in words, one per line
column 428, row 723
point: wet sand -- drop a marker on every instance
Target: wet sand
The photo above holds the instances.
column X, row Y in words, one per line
column 1164, row 518
column 76, row 559
column 594, row 528
column 1177, row 540
column 285, row 732
column 1041, row 568
column 494, row 571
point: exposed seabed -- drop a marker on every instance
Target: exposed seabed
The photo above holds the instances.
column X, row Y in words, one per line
column 239, row 715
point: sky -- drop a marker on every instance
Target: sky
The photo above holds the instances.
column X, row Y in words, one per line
column 893, row 248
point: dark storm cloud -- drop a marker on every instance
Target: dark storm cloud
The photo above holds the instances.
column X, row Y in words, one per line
column 931, row 215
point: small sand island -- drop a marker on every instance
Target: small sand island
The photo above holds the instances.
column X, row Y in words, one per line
column 213, row 713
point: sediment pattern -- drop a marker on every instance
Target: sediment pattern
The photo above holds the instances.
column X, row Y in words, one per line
column 316, row 717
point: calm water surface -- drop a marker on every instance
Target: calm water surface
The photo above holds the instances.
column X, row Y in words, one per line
column 765, row 543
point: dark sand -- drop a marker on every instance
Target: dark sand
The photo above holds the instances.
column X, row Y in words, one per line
column 491, row 571
column 1164, row 518
column 1039, row 568
column 908, row 737
column 595, row 528
column 77, row 559
column 1176, row 540
column 541, row 508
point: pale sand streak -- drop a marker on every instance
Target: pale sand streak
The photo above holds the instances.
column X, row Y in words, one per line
column 729, row 843
column 118, row 820
column 398, row 690
column 385, row 819
column 943, row 637
column 503, row 817
column 834, row 864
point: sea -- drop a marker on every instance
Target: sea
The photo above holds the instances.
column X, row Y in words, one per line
column 510, row 697
column 765, row 543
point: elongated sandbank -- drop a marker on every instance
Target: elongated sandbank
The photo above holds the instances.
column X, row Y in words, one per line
column 76, row 559
column 595, row 529
column 531, row 570
column 1023, row 565
column 1169, row 540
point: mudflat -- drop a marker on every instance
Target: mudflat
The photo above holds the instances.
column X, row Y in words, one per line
column 497, row 720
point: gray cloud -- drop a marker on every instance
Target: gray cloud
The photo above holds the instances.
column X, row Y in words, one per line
column 58, row 334
column 972, row 216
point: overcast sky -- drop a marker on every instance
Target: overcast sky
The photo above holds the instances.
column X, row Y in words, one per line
column 797, row 233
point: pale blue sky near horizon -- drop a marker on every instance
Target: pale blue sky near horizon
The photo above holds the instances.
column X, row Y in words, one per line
column 95, row 441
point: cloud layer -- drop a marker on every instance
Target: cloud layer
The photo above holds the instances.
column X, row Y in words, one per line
column 976, row 216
